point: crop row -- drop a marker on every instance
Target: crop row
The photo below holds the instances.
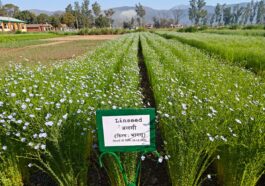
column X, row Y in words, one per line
column 212, row 114
column 244, row 51
column 253, row 32
column 47, row 117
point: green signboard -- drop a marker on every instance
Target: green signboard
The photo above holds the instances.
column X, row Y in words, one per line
column 126, row 130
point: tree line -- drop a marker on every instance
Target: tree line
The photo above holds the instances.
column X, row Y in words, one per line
column 75, row 16
column 251, row 13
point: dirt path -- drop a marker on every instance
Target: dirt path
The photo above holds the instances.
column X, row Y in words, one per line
column 152, row 173
column 85, row 37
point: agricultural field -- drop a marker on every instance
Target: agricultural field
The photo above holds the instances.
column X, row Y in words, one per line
column 31, row 49
column 243, row 51
column 210, row 111
column 246, row 32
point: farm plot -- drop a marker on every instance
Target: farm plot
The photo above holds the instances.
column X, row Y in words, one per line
column 244, row 51
column 47, row 116
column 253, row 32
column 212, row 115
column 47, row 51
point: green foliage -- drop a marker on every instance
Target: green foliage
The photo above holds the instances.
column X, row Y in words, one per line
column 139, row 9
column 27, row 16
column 210, row 113
column 239, row 50
column 103, row 31
column 196, row 11
column 42, row 18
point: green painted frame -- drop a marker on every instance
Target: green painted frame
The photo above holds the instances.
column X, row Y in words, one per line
column 124, row 112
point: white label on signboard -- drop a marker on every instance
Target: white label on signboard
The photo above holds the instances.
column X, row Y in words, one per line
column 131, row 130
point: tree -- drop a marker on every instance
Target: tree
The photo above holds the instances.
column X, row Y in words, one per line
column 1, row 9
column 109, row 13
column 69, row 9
column 253, row 13
column 192, row 10
column 156, row 22
column 140, row 13
column 197, row 14
column 237, row 13
column 27, row 16
column 227, row 15
column 77, row 14
column 55, row 20
column 201, row 13
column 42, row 18
column 261, row 12
column 68, row 19
column 85, row 14
column 218, row 14
column 246, row 14
column 96, row 9
column 101, row 21
column 177, row 14
column 10, row 10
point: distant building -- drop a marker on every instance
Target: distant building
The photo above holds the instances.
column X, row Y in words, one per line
column 149, row 26
column 9, row 24
column 39, row 27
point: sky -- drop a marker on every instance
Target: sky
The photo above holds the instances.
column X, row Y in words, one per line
column 52, row 5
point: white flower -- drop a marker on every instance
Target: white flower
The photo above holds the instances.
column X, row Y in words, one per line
column 223, row 138
column 48, row 116
column 211, row 138
column 24, row 106
column 160, row 159
column 30, row 144
column 4, row 147
column 238, row 121
column 65, row 116
column 58, row 105
column 17, row 134
column 1, row 103
column 142, row 158
column 62, row 100
column 13, row 94
column 184, row 113
column 167, row 157
column 114, row 107
column 184, row 106
column 36, row 147
column 30, row 165
column 23, row 139
column 166, row 115
column 27, row 100
column 43, row 135
column 43, row 147
column 209, row 176
column 49, row 123
column 218, row 157
column 32, row 115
